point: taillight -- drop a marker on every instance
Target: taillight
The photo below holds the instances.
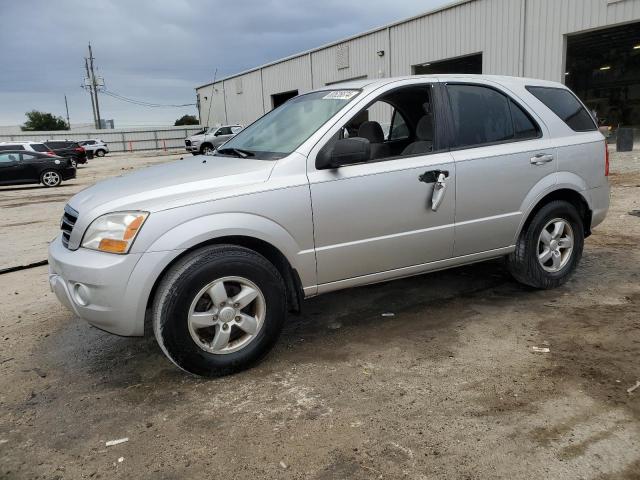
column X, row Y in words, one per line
column 606, row 160
column 51, row 154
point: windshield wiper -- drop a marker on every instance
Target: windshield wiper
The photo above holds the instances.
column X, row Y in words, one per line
column 236, row 152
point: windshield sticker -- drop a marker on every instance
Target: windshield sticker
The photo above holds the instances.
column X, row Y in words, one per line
column 340, row 95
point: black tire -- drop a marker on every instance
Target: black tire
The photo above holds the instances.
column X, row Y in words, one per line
column 100, row 153
column 523, row 263
column 50, row 174
column 181, row 285
column 204, row 147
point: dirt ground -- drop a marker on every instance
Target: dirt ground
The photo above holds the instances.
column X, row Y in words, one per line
column 447, row 388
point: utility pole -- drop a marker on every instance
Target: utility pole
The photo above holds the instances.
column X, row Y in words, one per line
column 94, row 84
column 90, row 87
column 66, row 106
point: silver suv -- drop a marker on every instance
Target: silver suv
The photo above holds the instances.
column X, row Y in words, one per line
column 207, row 140
column 97, row 146
column 315, row 197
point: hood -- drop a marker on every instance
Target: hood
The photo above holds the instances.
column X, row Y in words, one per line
column 194, row 179
column 197, row 138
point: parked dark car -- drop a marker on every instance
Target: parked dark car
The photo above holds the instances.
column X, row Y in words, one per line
column 68, row 149
column 20, row 167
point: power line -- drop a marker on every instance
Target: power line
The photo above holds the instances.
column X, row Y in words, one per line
column 143, row 103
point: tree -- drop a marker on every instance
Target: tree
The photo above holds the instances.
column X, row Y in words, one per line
column 42, row 121
column 186, row 120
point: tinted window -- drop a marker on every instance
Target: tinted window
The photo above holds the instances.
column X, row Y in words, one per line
column 566, row 106
column 57, row 144
column 523, row 126
column 11, row 147
column 480, row 115
column 39, row 147
column 27, row 157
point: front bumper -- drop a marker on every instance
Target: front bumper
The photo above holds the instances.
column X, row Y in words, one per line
column 109, row 291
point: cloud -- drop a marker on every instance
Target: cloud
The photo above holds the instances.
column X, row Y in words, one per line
column 158, row 51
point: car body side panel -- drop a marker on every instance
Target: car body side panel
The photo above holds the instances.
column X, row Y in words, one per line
column 280, row 217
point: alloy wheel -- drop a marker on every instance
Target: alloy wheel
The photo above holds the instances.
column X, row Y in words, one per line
column 226, row 315
column 555, row 245
column 51, row 179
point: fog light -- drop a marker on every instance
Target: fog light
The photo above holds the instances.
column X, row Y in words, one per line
column 81, row 294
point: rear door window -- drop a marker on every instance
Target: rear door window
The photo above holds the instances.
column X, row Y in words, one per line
column 481, row 115
column 524, row 127
column 11, row 147
column 39, row 147
column 565, row 105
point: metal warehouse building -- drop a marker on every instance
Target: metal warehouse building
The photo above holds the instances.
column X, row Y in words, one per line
column 593, row 46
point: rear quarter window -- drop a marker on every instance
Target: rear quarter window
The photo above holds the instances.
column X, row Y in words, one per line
column 565, row 105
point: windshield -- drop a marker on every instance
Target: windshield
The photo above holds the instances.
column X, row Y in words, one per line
column 281, row 131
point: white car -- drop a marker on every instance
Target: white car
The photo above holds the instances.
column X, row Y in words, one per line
column 27, row 146
column 207, row 140
column 97, row 146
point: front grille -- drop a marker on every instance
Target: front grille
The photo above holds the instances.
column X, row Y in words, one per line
column 66, row 224
column 187, row 143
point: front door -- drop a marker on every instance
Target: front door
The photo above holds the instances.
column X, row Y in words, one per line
column 379, row 216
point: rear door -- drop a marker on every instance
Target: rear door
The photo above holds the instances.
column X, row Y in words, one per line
column 30, row 166
column 501, row 153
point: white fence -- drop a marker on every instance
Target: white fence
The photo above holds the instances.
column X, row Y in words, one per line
column 119, row 139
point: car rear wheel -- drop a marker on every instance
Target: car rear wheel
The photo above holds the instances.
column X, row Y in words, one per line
column 219, row 310
column 50, row 178
column 549, row 248
column 100, row 153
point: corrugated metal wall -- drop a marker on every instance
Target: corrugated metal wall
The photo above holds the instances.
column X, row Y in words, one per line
column 293, row 74
column 363, row 60
column 243, row 100
column 515, row 37
column 488, row 26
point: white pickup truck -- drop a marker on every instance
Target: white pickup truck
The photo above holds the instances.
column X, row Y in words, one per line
column 206, row 141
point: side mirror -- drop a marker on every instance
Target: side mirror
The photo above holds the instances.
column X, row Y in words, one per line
column 346, row 151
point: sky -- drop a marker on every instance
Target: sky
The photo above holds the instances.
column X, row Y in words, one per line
column 158, row 51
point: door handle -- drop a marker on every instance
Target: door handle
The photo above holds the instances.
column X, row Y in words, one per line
column 438, row 191
column 432, row 176
column 541, row 159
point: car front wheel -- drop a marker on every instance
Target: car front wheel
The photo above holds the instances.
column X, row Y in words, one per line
column 219, row 310
column 50, row 178
column 549, row 248
column 100, row 153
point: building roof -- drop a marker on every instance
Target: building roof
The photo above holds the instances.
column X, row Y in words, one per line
column 338, row 42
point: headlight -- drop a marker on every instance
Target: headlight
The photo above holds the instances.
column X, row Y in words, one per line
column 114, row 232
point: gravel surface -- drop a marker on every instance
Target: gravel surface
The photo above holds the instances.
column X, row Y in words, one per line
column 449, row 387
